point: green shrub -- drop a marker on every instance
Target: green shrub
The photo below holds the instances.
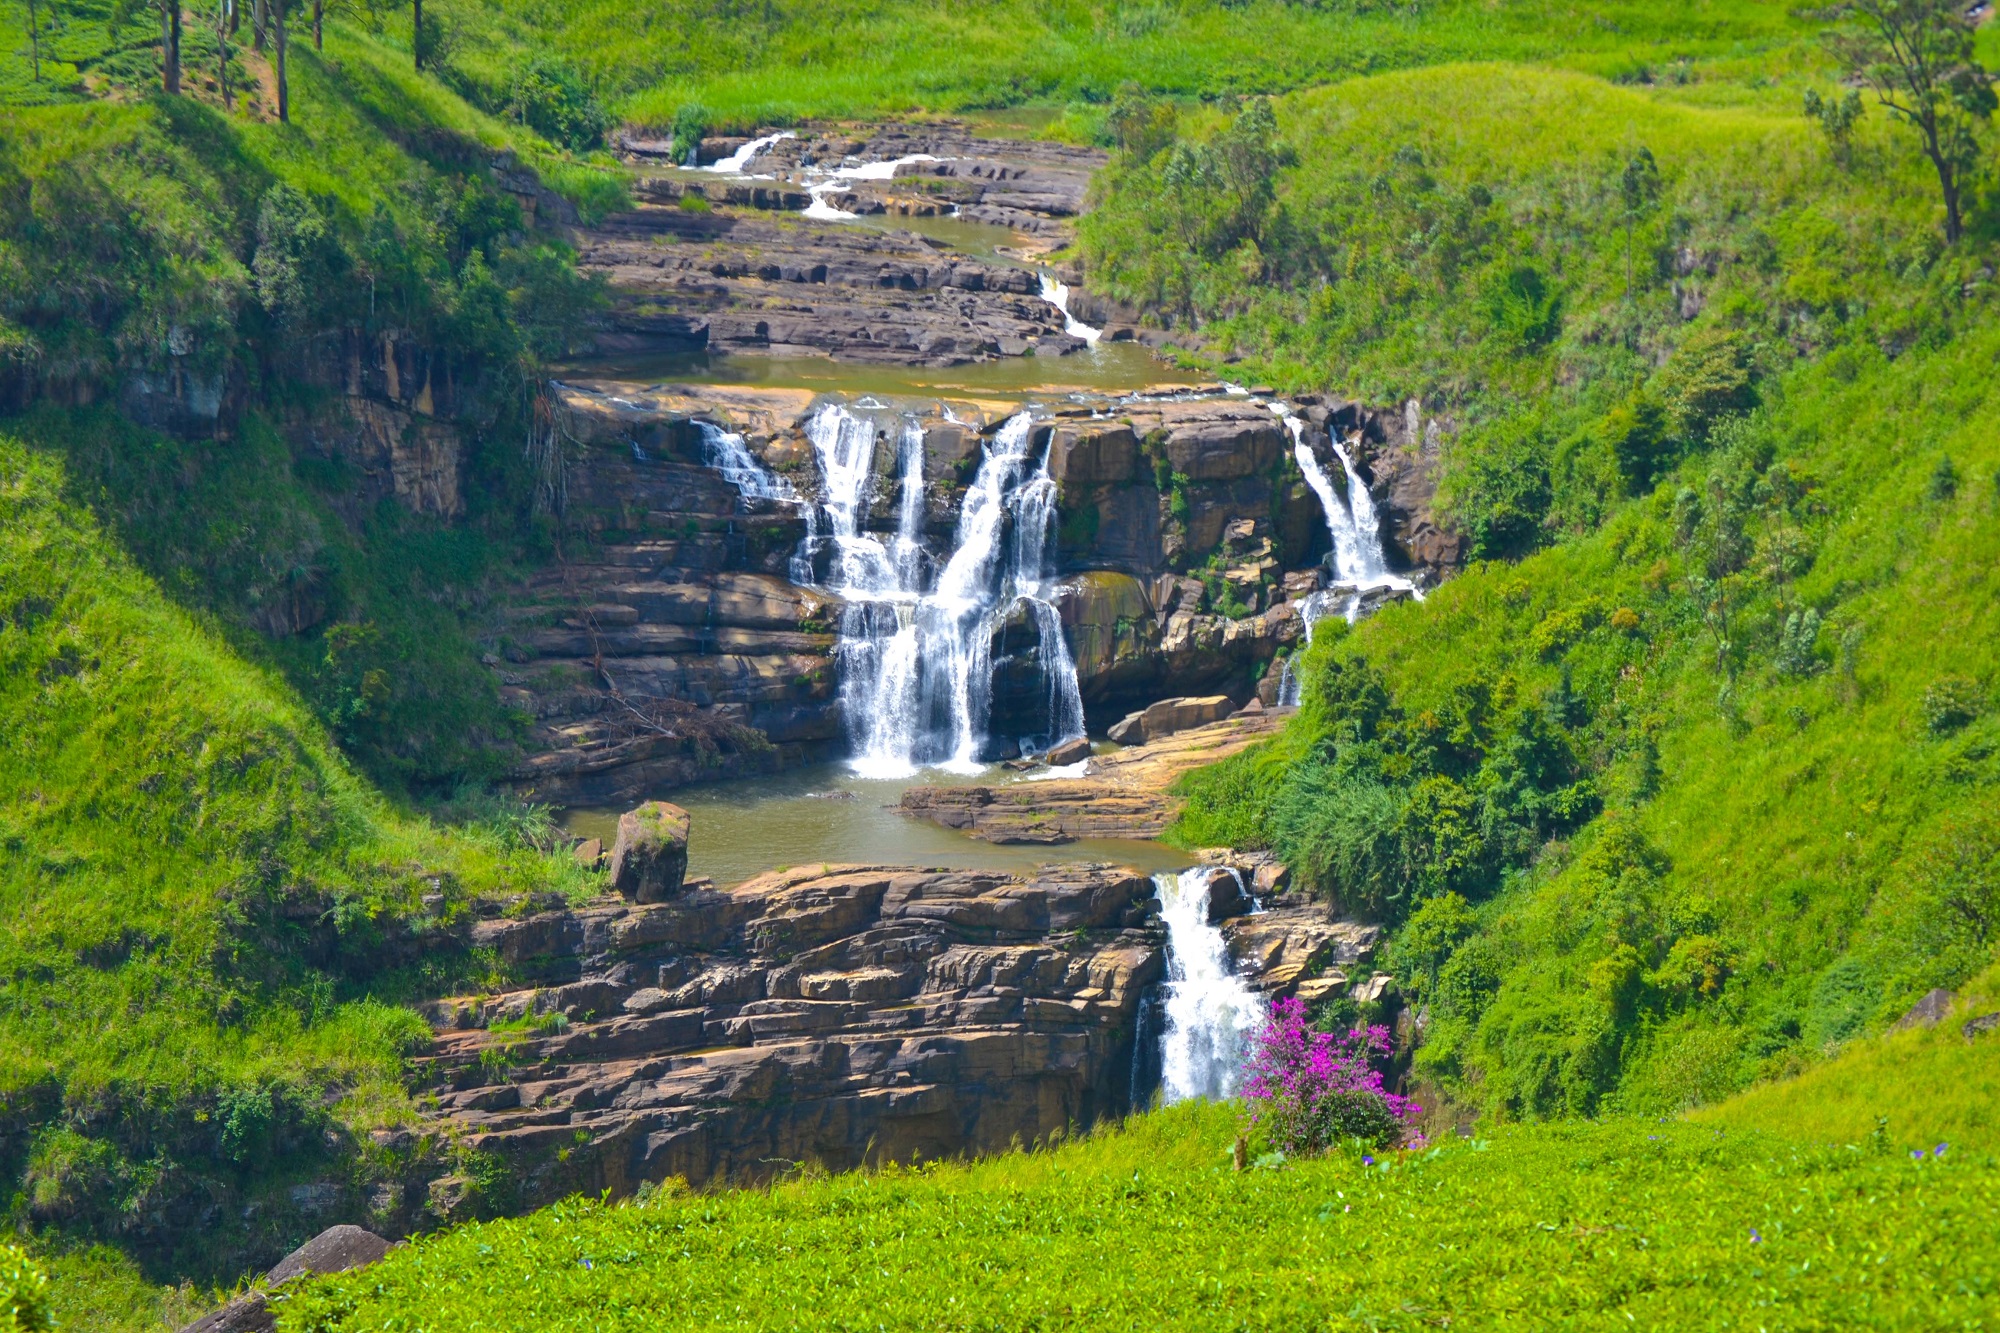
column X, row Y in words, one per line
column 24, row 1293
column 1950, row 703
column 551, row 98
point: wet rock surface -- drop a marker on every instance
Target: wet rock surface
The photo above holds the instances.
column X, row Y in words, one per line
column 712, row 262
column 671, row 645
column 830, row 1014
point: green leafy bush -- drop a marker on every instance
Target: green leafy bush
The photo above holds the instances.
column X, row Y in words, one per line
column 24, row 1293
column 551, row 98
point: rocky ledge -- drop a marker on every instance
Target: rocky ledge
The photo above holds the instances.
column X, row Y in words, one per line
column 832, row 1014
column 1122, row 794
column 717, row 263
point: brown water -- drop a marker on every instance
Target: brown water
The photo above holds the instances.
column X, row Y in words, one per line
column 825, row 814
column 1109, row 368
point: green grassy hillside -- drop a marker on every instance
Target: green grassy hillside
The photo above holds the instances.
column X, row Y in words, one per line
column 1702, row 783
column 1582, row 1226
column 746, row 65
column 208, row 916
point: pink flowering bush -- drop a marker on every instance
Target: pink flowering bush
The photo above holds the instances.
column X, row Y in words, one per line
column 1310, row 1090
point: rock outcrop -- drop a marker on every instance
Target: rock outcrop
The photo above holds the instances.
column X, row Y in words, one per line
column 712, row 263
column 1124, row 794
column 834, row 1014
column 649, row 860
column 671, row 646
column 334, row 1250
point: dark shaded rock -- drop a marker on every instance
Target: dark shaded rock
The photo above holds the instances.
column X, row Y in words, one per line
column 1226, row 895
column 335, row 1250
column 248, row 1313
column 649, row 860
column 1925, row 1012
column 1980, row 1026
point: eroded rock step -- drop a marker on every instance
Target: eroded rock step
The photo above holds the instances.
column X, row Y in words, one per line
column 670, row 646
column 746, row 272
column 837, row 1014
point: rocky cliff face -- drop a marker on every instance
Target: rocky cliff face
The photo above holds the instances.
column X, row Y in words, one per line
column 836, row 1014
column 669, row 643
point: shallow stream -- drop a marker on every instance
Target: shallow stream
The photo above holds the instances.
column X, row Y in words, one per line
column 827, row 814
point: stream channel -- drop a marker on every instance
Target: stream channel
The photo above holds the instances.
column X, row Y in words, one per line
column 913, row 657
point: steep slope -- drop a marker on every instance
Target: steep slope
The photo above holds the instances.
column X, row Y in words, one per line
column 1703, row 787
column 204, row 909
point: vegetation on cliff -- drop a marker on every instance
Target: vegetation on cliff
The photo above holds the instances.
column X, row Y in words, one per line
column 209, row 915
column 1701, row 786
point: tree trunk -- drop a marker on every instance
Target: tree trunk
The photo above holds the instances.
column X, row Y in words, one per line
column 257, row 21
column 170, row 47
column 222, row 13
column 35, row 36
column 417, row 33
column 1954, row 225
column 319, row 14
column 284, row 86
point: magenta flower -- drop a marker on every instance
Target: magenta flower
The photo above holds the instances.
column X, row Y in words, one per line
column 1311, row 1090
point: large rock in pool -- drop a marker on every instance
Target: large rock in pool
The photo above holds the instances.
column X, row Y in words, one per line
column 650, row 858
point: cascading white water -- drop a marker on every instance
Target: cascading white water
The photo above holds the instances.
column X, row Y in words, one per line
column 1057, row 295
column 821, row 211
column 733, row 164
column 916, row 666
column 1210, row 1011
column 726, row 452
column 1351, row 521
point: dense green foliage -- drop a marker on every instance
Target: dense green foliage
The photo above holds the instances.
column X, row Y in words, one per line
column 1579, row 1226
column 205, row 908
column 1921, row 1087
column 24, row 1293
column 746, row 65
column 1704, row 787
column 168, row 245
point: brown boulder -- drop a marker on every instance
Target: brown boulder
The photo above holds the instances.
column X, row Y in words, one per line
column 1069, row 752
column 649, row 860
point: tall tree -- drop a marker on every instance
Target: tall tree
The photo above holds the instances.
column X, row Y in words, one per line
column 35, row 36
column 222, row 11
column 1916, row 56
column 284, row 83
column 170, row 46
column 417, row 33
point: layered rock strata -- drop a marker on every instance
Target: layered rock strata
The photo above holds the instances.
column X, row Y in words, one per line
column 712, row 263
column 670, row 645
column 836, row 1014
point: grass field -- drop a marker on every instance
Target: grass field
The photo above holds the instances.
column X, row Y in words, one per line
column 1588, row 1225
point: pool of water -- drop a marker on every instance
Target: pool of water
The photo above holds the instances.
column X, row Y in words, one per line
column 1109, row 368
column 827, row 814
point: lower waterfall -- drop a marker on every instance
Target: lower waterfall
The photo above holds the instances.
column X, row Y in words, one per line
column 1210, row 1012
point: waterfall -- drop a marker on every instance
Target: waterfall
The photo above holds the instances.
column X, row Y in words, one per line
column 1351, row 521
column 1057, row 295
column 726, row 452
column 915, row 663
column 820, row 210
column 1313, row 608
column 1210, row 1012
column 733, row 164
